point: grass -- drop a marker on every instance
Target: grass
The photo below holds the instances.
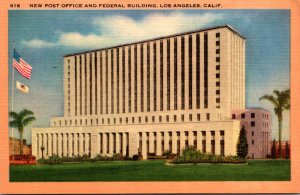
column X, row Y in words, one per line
column 256, row 170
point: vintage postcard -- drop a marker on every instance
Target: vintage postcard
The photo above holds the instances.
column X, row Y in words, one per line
column 149, row 96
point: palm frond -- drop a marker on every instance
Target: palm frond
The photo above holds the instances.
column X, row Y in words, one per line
column 14, row 124
column 13, row 115
column 24, row 113
column 28, row 120
column 270, row 98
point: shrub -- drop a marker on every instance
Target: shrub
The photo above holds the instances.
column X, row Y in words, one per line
column 117, row 157
column 137, row 157
column 166, row 153
column 191, row 155
column 54, row 160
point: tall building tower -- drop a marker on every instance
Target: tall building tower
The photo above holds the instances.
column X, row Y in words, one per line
column 151, row 96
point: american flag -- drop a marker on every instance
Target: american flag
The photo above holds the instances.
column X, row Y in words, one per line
column 22, row 67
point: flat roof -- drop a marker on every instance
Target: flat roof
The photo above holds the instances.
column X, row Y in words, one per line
column 162, row 37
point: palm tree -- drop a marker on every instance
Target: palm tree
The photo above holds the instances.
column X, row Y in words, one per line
column 281, row 102
column 19, row 121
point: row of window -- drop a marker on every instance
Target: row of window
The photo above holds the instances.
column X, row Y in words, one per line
column 133, row 120
column 61, row 146
column 118, row 60
column 218, row 102
column 252, row 115
column 167, row 145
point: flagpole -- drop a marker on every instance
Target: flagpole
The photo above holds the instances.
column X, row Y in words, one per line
column 12, row 96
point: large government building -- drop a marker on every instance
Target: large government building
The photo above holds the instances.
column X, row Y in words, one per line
column 151, row 96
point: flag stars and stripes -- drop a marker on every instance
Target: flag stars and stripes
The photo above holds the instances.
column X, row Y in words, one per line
column 21, row 65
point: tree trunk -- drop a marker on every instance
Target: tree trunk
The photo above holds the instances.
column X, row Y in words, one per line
column 279, row 132
column 21, row 141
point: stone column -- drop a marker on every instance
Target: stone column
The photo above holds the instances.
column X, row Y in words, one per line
column 144, row 145
column 158, row 143
column 87, row 140
column 75, row 145
column 104, row 143
column 174, row 142
column 151, row 142
column 71, row 139
column 199, row 141
column 182, row 141
column 111, row 144
column 166, row 141
column 45, row 144
column 59, row 149
column 65, row 144
column 208, row 142
column 80, row 144
column 133, row 143
column 40, row 145
column 34, row 144
column 49, row 144
column 95, row 144
column 217, row 142
column 124, row 143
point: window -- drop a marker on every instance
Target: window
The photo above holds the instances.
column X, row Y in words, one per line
column 126, row 119
column 146, row 119
column 132, row 119
column 175, row 118
column 182, row 117
column 217, row 51
column 218, row 91
column 153, row 119
column 198, row 117
column 252, row 133
column 218, row 34
column 252, row 115
column 233, row 116
column 217, row 59
column 167, row 118
column 252, row 142
column 160, row 119
column 121, row 120
column 218, row 67
column 140, row 119
column 191, row 117
column 115, row 120
column 207, row 116
column 217, row 43
column 218, row 75
column 218, row 83
column 252, row 123
column 218, row 100
column 243, row 115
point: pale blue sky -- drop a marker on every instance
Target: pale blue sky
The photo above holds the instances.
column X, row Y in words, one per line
column 43, row 37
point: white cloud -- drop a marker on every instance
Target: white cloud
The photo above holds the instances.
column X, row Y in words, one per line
column 37, row 43
column 118, row 29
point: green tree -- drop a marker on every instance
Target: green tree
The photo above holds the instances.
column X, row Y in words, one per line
column 20, row 121
column 273, row 149
column 242, row 145
column 281, row 102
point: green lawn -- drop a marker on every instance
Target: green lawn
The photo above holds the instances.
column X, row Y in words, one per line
column 256, row 170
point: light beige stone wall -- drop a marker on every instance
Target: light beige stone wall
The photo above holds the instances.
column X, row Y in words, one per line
column 92, row 101
column 72, row 141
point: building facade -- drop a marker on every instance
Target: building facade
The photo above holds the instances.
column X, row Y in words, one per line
column 151, row 96
column 257, row 122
